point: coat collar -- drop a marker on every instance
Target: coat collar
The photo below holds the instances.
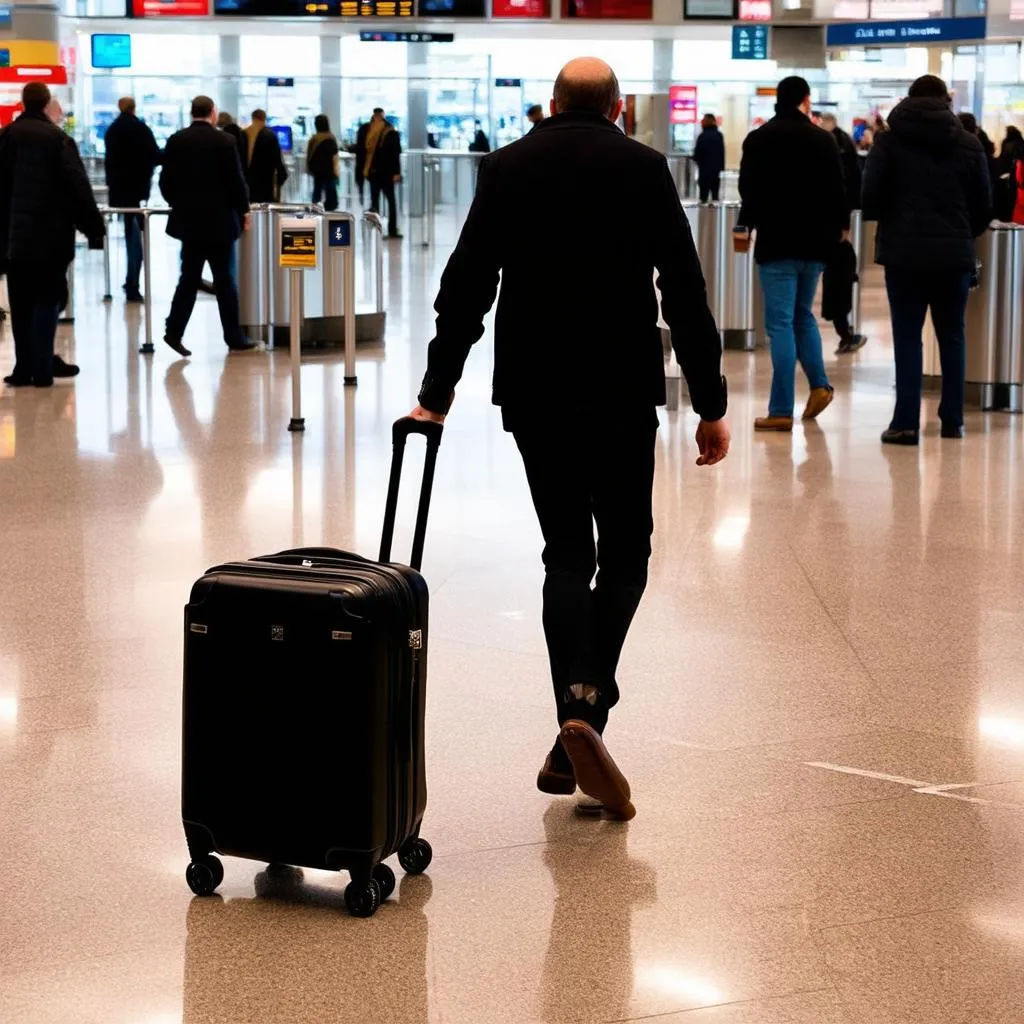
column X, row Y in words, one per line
column 575, row 119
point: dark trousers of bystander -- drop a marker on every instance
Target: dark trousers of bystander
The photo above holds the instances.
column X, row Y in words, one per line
column 581, row 473
column 220, row 256
column 36, row 292
column 709, row 185
column 387, row 186
column 911, row 295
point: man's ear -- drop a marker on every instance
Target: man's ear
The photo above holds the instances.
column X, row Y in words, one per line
column 616, row 111
column 552, row 108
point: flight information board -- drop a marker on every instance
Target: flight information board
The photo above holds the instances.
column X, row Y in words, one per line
column 377, row 8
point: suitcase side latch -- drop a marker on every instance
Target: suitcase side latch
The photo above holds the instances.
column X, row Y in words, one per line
column 416, row 639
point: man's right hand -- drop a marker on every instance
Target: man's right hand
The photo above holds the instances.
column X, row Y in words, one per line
column 712, row 442
column 247, row 222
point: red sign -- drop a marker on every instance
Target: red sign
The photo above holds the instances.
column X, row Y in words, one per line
column 682, row 104
column 755, row 10
column 626, row 10
column 521, row 9
column 51, row 74
column 170, row 8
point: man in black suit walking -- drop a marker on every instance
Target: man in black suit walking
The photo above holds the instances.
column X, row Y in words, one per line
column 578, row 385
column 203, row 184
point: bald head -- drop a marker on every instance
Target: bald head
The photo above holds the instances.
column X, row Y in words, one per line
column 126, row 104
column 587, row 84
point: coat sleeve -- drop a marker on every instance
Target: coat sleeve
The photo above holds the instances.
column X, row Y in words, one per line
column 154, row 149
column 468, row 289
column 750, row 183
column 684, row 301
column 88, row 218
column 875, row 186
column 169, row 173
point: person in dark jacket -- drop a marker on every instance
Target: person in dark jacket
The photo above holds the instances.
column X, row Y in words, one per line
column 927, row 185
column 265, row 172
column 709, row 156
column 534, row 116
column 130, row 157
column 794, row 196
column 382, row 166
column 322, row 163
column 587, row 436
column 229, row 126
column 45, row 196
column 203, row 184
column 480, row 143
column 359, row 167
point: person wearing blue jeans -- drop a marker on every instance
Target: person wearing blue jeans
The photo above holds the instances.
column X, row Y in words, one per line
column 789, row 288
column 926, row 182
column 795, row 199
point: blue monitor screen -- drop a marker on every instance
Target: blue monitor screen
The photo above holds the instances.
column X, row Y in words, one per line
column 284, row 136
column 111, row 51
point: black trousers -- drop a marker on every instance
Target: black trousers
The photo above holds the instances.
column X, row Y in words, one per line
column 709, row 185
column 328, row 189
column 194, row 255
column 36, row 292
column 387, row 186
column 582, row 474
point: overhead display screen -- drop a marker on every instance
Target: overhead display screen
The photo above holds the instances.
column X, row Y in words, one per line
column 111, row 51
column 275, row 8
column 622, row 10
column 521, row 9
column 170, row 8
column 452, row 9
column 713, row 10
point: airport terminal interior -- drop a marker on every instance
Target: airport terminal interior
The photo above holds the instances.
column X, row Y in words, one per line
column 822, row 714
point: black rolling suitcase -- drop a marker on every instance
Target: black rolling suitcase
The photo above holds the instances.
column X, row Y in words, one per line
column 303, row 707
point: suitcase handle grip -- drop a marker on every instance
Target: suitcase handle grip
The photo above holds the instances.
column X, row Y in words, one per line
column 399, row 435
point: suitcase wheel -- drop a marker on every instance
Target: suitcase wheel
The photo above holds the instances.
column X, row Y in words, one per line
column 204, row 875
column 415, row 856
column 385, row 879
column 362, row 898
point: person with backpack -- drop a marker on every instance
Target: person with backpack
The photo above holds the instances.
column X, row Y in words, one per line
column 323, row 164
column 926, row 183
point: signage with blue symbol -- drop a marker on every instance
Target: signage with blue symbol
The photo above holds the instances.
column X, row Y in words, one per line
column 750, row 42
column 339, row 234
column 903, row 33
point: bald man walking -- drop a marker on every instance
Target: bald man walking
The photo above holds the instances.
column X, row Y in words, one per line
column 578, row 380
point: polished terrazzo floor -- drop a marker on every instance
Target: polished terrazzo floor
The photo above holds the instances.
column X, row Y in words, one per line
column 823, row 713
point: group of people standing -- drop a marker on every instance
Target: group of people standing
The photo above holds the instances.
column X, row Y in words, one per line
column 926, row 182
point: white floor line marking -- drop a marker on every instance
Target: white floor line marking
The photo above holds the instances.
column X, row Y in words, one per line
column 923, row 788
column 881, row 776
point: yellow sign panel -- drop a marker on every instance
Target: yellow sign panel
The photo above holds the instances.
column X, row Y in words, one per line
column 298, row 247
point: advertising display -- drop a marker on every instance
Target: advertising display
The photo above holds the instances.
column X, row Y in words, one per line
column 755, row 10
column 111, row 51
column 682, row 104
column 521, row 8
column 621, row 10
column 170, row 8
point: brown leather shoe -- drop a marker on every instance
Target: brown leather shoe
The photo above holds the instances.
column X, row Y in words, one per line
column 782, row 424
column 596, row 773
column 553, row 781
column 818, row 401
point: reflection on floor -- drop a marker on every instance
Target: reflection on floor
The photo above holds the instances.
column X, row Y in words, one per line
column 823, row 713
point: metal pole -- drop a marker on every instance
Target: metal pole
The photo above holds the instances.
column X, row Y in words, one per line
column 374, row 227
column 295, row 339
column 147, row 344
column 107, row 297
column 349, row 297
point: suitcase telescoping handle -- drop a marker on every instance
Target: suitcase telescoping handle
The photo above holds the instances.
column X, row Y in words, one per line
column 399, row 435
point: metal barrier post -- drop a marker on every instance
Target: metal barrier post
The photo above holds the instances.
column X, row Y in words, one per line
column 295, row 341
column 147, row 344
column 107, row 297
column 374, row 226
column 349, row 296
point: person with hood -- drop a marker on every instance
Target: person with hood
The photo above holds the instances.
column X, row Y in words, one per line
column 323, row 163
column 265, row 170
column 794, row 197
column 709, row 156
column 926, row 183
column 130, row 157
column 382, row 166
